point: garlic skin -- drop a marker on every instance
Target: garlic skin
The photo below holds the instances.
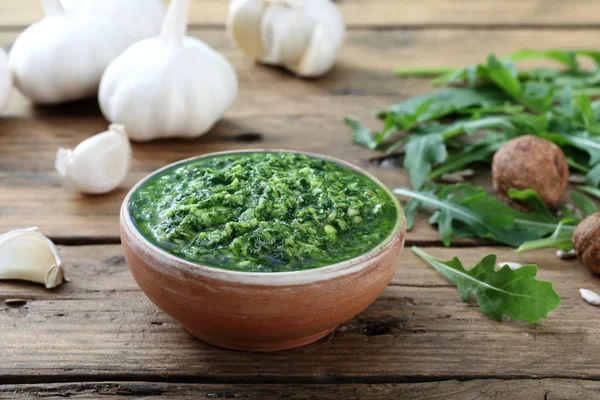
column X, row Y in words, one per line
column 26, row 254
column 303, row 36
column 5, row 79
column 62, row 57
column 168, row 86
column 99, row 164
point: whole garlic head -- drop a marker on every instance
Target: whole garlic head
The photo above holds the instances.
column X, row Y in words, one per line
column 26, row 254
column 303, row 36
column 168, row 86
column 99, row 164
column 62, row 57
column 147, row 15
column 5, row 79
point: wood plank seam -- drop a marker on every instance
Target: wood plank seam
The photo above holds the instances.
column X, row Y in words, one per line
column 273, row 379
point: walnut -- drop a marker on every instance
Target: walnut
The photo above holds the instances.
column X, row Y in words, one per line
column 586, row 242
column 529, row 162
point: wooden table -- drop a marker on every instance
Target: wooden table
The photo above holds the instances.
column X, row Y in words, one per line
column 99, row 336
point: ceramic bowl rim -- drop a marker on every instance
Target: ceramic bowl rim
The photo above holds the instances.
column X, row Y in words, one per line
column 351, row 265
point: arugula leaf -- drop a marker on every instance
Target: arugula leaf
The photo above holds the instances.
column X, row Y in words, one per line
column 540, row 211
column 583, row 141
column 388, row 129
column 423, row 151
column 446, row 102
column 536, row 96
column 514, row 293
column 471, row 126
column 506, row 108
column 471, row 212
column 566, row 57
column 585, row 111
column 368, row 139
column 360, row 134
column 475, row 73
column 408, row 120
column 480, row 151
column 409, row 213
column 504, row 75
column 584, row 203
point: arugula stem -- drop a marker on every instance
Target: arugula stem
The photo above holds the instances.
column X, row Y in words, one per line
column 400, row 143
column 452, row 134
column 422, row 71
column 420, row 253
column 591, row 92
column 590, row 190
column 448, row 168
column 544, row 244
column 575, row 165
column 527, row 222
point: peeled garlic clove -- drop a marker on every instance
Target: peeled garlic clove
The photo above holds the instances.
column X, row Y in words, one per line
column 169, row 86
column 243, row 16
column 303, row 36
column 26, row 254
column 591, row 297
column 5, row 79
column 99, row 164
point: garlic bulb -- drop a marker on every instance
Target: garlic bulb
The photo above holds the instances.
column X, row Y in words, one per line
column 99, row 164
column 62, row 57
column 126, row 13
column 303, row 36
column 5, row 79
column 26, row 254
column 168, row 86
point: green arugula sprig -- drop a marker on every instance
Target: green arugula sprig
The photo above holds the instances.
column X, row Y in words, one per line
column 501, row 102
column 465, row 211
column 514, row 293
column 475, row 73
column 562, row 237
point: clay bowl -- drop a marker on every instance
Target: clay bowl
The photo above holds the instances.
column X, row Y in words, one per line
column 259, row 311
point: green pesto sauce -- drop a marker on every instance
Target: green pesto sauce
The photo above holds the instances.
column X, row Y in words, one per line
column 263, row 212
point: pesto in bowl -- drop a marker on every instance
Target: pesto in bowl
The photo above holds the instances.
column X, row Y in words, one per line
column 263, row 211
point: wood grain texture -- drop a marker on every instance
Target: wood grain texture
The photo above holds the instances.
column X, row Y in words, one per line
column 284, row 111
column 386, row 13
column 479, row 389
column 101, row 327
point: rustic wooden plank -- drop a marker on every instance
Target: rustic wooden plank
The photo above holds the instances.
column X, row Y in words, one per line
column 100, row 327
column 386, row 13
column 285, row 111
column 479, row 389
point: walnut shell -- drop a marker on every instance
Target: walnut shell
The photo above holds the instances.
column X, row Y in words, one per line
column 586, row 242
column 529, row 162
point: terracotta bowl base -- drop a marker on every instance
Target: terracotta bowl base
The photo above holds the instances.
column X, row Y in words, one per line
column 259, row 346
